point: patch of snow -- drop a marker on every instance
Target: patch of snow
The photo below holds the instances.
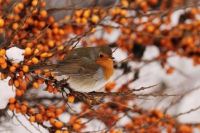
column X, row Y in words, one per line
column 15, row 54
column 6, row 92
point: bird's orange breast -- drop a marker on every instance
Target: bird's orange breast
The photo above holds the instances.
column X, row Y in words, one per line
column 107, row 65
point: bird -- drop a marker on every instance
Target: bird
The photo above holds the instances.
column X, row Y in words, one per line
column 87, row 69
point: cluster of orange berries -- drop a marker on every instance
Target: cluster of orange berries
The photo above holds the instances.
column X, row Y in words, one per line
column 86, row 16
column 41, row 113
column 28, row 26
column 146, row 5
column 38, row 114
column 143, row 5
column 152, row 121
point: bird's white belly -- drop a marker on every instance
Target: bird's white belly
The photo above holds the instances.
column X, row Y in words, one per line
column 88, row 83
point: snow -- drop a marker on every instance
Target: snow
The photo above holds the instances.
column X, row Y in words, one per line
column 15, row 54
column 6, row 92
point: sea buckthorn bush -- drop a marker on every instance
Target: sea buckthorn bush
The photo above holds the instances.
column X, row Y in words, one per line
column 29, row 25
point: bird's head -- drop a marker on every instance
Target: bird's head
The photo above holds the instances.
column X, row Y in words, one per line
column 105, row 60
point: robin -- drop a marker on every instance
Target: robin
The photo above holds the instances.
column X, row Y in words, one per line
column 87, row 69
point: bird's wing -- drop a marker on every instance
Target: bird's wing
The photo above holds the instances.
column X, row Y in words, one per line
column 76, row 67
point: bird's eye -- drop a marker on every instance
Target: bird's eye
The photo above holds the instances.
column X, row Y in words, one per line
column 101, row 55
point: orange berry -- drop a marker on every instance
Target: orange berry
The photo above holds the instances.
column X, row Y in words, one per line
column 19, row 93
column 123, row 12
column 38, row 71
column 1, row 22
column 110, row 85
column 36, row 51
column 35, row 11
column 51, row 43
column 32, row 119
column 59, row 111
column 83, row 21
column 71, row 99
column 144, row 6
column 185, row 129
column 58, row 124
column 2, row 52
column 16, row 10
column 16, row 83
column 40, row 81
column 32, row 111
column 42, row 3
column 153, row 2
column 2, row 60
column 17, row 110
column 52, row 121
column 95, row 19
column 34, row 2
column 16, row 65
column 78, row 20
column 11, row 107
column 41, row 24
column 158, row 114
column 124, row 3
column 23, row 85
column 49, row 54
column 50, row 88
column 24, row 108
column 20, row 5
column 76, row 126
column 86, row 13
column 12, row 100
column 43, row 13
column 60, row 47
column 51, row 19
column 44, row 55
column 50, row 114
column 35, row 85
column 28, row 51
column 58, row 131
column 170, row 70
column 61, row 32
column 65, row 131
column 12, row 69
column 15, row 26
column 25, row 68
column 29, row 21
column 4, row 65
column 150, row 28
column 3, row 76
column 55, row 30
column 25, row 103
column 17, row 105
column 78, row 13
column 39, row 117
